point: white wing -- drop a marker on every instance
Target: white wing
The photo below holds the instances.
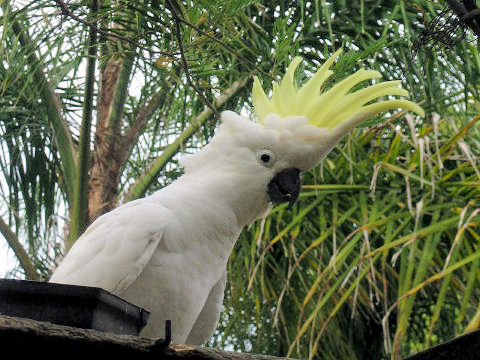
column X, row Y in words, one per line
column 115, row 248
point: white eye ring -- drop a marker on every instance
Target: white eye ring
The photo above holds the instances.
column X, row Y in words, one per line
column 266, row 157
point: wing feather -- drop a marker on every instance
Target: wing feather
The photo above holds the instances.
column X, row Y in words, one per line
column 115, row 248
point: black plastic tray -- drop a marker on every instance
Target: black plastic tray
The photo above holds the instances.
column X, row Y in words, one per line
column 79, row 306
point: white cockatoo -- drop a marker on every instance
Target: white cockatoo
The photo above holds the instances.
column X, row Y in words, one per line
column 168, row 252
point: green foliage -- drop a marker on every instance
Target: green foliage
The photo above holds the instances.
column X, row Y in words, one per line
column 395, row 250
column 378, row 259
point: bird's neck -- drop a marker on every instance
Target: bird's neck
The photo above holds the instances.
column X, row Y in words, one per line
column 227, row 192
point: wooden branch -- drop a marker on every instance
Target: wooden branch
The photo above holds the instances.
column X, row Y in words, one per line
column 19, row 250
column 143, row 116
column 24, row 336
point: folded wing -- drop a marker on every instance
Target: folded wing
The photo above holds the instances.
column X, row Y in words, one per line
column 115, row 248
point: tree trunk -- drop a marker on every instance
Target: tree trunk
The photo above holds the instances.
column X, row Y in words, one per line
column 105, row 168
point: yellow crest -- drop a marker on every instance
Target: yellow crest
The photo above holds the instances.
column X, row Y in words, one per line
column 330, row 108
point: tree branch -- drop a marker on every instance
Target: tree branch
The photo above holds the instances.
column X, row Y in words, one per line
column 144, row 114
column 19, row 251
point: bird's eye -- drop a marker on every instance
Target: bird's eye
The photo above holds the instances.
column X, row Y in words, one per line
column 266, row 157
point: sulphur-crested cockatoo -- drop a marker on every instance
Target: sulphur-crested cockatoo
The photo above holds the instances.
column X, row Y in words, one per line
column 168, row 252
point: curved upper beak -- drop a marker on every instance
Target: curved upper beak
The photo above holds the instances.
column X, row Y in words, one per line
column 285, row 187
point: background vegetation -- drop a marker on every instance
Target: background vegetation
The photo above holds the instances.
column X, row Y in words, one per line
column 379, row 259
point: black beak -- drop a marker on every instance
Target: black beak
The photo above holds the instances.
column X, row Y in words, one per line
column 285, row 187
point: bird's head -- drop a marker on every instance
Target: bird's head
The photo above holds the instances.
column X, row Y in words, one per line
column 296, row 127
